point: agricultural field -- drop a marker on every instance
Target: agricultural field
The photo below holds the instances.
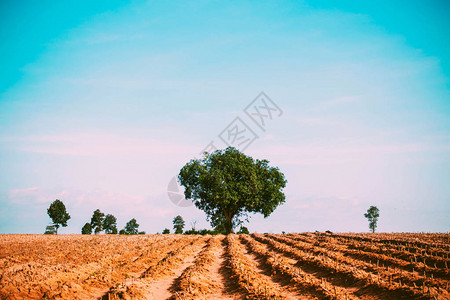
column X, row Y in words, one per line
column 255, row 266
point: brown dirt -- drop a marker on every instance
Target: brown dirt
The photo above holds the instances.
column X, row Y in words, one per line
column 220, row 274
column 161, row 289
column 88, row 267
column 281, row 283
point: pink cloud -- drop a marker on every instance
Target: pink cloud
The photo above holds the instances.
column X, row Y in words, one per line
column 25, row 191
column 34, row 195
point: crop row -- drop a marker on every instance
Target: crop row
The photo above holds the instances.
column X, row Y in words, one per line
column 247, row 275
column 421, row 240
column 306, row 282
column 433, row 257
column 194, row 281
column 135, row 287
column 351, row 270
column 413, row 279
column 330, row 247
column 78, row 278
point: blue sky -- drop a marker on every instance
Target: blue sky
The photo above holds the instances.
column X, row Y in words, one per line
column 102, row 104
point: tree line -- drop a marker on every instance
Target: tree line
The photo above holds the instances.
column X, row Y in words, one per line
column 108, row 223
column 226, row 184
column 179, row 224
column 99, row 222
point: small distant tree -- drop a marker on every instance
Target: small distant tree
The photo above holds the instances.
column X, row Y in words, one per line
column 57, row 212
column 372, row 215
column 87, row 229
column 97, row 221
column 166, row 231
column 122, row 231
column 178, row 224
column 243, row 230
column 110, row 224
column 51, row 229
column 131, row 227
column 193, row 224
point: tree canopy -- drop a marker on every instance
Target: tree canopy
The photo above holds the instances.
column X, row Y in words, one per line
column 131, row 227
column 228, row 184
column 110, row 224
column 178, row 224
column 372, row 215
column 57, row 212
column 87, row 229
column 97, row 221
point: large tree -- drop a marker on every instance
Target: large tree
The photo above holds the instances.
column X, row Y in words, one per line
column 228, row 184
column 97, row 221
column 178, row 224
column 372, row 215
column 57, row 212
column 110, row 224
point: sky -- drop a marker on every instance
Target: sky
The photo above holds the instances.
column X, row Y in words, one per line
column 102, row 103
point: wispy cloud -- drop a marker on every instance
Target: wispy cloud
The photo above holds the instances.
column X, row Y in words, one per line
column 97, row 145
column 328, row 104
column 315, row 121
column 34, row 195
column 87, row 200
column 23, row 192
column 339, row 153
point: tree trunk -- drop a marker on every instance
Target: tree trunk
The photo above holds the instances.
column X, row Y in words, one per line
column 228, row 227
column 228, row 223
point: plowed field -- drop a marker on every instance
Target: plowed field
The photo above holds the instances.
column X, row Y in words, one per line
column 256, row 266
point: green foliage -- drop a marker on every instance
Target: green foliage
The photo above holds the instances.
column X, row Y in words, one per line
column 221, row 224
column 166, row 231
column 97, row 221
column 207, row 231
column 131, row 227
column 110, row 224
column 57, row 212
column 87, row 229
column 178, row 224
column 372, row 215
column 220, row 228
column 243, row 230
column 201, row 232
column 51, row 229
column 227, row 185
